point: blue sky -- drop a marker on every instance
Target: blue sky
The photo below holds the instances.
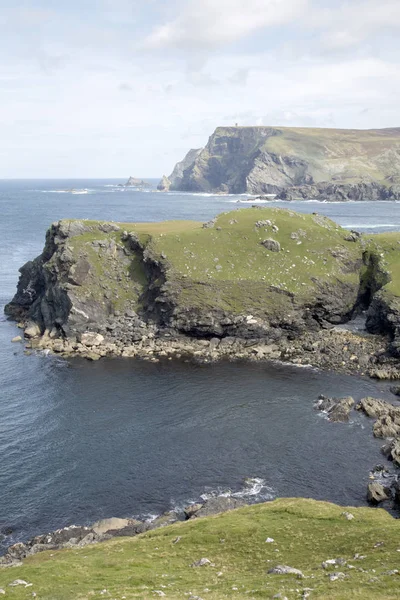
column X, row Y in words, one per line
column 118, row 87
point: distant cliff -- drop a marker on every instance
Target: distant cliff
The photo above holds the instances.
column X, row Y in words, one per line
column 262, row 160
column 173, row 181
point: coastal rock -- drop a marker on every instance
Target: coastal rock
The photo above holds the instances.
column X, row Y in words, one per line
column 164, row 184
column 112, row 523
column 387, row 416
column 135, row 182
column 91, row 339
column 338, row 409
column 377, row 493
column 32, row 330
column 392, row 451
column 327, row 191
column 213, row 506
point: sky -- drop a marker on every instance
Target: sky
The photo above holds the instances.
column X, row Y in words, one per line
column 112, row 88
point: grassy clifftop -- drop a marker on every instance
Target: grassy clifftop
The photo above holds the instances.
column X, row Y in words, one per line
column 224, row 266
column 305, row 532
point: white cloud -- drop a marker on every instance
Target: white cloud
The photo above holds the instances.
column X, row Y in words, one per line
column 212, row 23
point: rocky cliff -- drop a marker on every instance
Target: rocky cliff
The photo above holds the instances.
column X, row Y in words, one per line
column 262, row 160
column 172, row 182
column 254, row 277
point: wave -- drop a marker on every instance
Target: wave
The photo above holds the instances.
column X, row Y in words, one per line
column 370, row 226
column 71, row 191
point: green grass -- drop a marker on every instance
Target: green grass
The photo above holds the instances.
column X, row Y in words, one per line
column 226, row 267
column 306, row 533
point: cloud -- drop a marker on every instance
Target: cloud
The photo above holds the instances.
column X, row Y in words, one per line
column 349, row 24
column 213, row 23
column 125, row 87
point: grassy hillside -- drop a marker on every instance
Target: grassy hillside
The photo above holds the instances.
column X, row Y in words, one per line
column 230, row 259
column 305, row 533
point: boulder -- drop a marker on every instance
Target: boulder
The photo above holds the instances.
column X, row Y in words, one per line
column 341, row 411
column 17, row 338
column 271, row 245
column 373, row 407
column 32, row 330
column 392, row 450
column 338, row 409
column 377, row 493
column 90, row 339
column 217, row 505
column 112, row 523
column 387, row 426
column 285, row 570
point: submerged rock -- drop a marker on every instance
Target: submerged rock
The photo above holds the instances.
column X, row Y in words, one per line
column 338, row 409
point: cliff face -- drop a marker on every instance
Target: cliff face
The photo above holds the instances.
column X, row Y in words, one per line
column 261, row 160
column 172, row 182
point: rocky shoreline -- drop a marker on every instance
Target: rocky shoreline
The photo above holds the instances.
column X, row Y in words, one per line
column 75, row 536
column 335, row 349
column 384, row 487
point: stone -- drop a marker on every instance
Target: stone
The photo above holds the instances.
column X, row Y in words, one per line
column 340, row 412
column 32, row 330
column 272, row 245
column 216, row 505
column 19, row 582
column 285, row 570
column 112, row 523
column 333, row 561
column 377, row 493
column 192, row 509
column 395, row 389
column 90, row 339
column 269, row 540
column 58, row 346
column 338, row 409
column 17, row 338
column 337, row 576
column 202, row 562
column 348, row 516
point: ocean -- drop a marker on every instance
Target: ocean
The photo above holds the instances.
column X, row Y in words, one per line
column 81, row 441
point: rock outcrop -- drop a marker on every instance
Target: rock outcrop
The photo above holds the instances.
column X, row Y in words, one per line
column 302, row 163
column 173, row 181
column 341, row 192
column 135, row 182
column 254, row 283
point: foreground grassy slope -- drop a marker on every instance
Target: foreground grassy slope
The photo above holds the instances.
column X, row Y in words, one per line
column 305, row 534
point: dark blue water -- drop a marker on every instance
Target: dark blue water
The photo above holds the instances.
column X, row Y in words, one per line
column 80, row 440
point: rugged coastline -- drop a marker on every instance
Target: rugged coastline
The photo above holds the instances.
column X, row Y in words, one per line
column 253, row 284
